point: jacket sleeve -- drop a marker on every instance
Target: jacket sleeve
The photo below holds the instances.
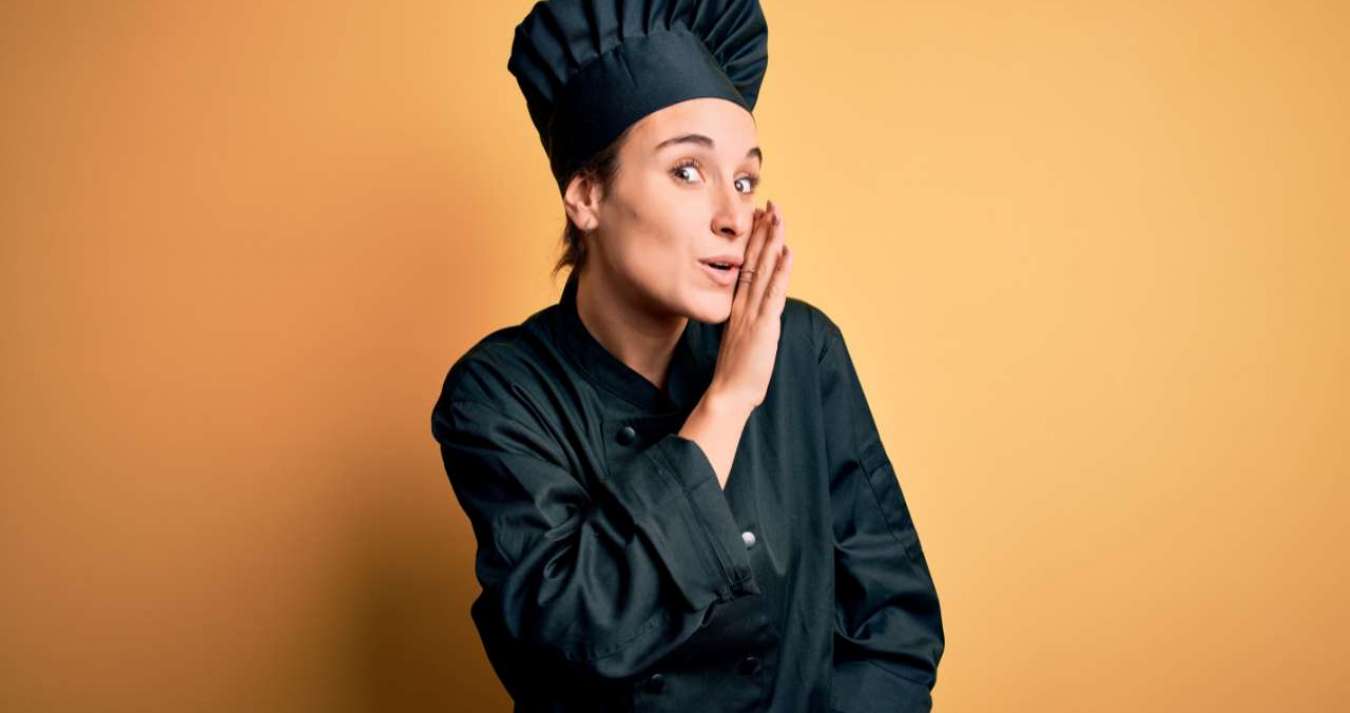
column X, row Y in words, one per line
column 888, row 624
column 594, row 583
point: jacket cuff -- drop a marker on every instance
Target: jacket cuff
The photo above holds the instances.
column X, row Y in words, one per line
column 678, row 504
column 862, row 686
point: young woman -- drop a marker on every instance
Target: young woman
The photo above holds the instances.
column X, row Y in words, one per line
column 679, row 494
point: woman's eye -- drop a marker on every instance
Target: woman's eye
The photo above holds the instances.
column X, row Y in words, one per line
column 684, row 170
column 688, row 172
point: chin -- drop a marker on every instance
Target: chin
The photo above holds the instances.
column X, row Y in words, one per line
column 711, row 308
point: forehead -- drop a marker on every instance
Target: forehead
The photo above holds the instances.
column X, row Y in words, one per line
column 728, row 124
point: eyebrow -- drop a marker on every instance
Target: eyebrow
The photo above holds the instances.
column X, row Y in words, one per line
column 702, row 140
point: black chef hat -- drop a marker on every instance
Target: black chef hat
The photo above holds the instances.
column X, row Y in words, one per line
column 591, row 68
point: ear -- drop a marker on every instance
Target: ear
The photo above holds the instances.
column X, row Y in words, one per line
column 581, row 200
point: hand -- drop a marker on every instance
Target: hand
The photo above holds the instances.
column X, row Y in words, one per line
column 750, row 339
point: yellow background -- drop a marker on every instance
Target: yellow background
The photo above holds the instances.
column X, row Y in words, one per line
column 1091, row 259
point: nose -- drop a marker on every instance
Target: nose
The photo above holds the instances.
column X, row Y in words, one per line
column 732, row 218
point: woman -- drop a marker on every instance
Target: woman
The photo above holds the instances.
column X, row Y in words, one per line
column 679, row 494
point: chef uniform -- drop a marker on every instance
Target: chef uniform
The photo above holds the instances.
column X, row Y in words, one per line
column 616, row 574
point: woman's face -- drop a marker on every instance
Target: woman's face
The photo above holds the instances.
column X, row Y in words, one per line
column 684, row 193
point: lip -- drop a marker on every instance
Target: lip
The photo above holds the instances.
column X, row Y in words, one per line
column 733, row 259
column 724, row 278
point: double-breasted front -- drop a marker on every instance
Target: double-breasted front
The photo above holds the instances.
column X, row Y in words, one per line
column 618, row 576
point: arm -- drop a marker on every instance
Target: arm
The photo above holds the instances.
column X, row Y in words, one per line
column 590, row 584
column 888, row 624
column 716, row 424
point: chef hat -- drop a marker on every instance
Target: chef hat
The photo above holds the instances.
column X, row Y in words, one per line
column 589, row 69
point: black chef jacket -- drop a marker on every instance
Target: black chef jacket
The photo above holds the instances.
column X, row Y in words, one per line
column 618, row 576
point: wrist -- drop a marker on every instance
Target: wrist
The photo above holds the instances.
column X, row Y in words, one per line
column 721, row 404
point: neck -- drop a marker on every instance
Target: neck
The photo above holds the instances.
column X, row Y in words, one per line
column 637, row 334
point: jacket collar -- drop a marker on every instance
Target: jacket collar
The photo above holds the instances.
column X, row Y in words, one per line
column 691, row 363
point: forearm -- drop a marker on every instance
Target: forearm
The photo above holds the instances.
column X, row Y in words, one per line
column 715, row 425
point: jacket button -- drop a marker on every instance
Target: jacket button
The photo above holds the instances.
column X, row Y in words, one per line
column 749, row 665
column 749, row 538
column 626, row 435
column 655, row 683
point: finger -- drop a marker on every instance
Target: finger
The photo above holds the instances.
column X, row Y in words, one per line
column 767, row 259
column 776, row 289
column 776, row 298
column 738, row 296
column 752, row 251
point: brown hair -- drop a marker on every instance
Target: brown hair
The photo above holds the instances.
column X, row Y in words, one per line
column 600, row 168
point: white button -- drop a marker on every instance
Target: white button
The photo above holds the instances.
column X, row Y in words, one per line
column 749, row 538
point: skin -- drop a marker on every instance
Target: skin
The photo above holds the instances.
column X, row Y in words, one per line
column 643, row 281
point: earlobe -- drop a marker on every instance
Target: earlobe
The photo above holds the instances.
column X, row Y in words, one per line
column 580, row 202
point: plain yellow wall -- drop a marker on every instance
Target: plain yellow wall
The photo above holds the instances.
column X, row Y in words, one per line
column 1091, row 258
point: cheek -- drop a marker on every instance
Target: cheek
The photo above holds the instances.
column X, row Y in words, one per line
column 656, row 254
column 658, row 229
column 662, row 234
column 643, row 252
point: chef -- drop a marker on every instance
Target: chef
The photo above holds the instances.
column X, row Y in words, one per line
column 679, row 494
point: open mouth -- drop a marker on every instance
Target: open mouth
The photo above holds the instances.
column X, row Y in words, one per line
column 724, row 274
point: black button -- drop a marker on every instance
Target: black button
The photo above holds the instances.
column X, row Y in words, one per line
column 626, row 435
column 749, row 665
column 655, row 683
